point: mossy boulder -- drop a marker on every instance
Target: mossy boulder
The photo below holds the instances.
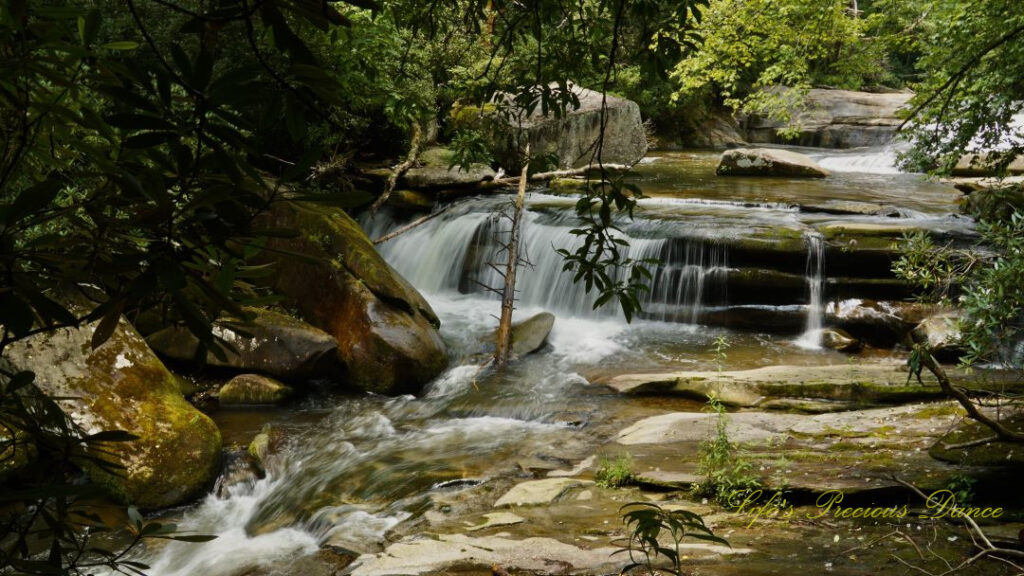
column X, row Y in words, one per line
column 386, row 332
column 269, row 342
column 434, row 171
column 253, row 389
column 768, row 162
column 122, row 385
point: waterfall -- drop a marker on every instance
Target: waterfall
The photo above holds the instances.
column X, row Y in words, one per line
column 815, row 274
column 455, row 253
column 874, row 160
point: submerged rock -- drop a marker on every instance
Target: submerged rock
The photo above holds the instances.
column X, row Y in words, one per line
column 270, row 343
column 768, row 162
column 386, row 332
column 253, row 389
column 122, row 385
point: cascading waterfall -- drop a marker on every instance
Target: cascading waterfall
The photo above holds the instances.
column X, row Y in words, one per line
column 455, row 253
column 815, row 274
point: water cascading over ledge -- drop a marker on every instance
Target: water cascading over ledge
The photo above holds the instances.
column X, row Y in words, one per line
column 454, row 253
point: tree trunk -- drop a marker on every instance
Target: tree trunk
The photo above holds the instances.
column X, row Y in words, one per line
column 508, row 295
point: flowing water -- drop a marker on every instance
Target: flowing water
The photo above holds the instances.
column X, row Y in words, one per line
column 354, row 468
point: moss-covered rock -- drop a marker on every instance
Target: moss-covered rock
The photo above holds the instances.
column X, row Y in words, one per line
column 122, row 385
column 436, row 172
column 386, row 332
column 270, row 343
column 253, row 389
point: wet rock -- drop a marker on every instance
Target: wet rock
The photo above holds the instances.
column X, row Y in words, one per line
column 866, row 383
column 411, row 200
column 253, row 389
column 386, row 332
column 837, row 119
column 433, row 172
column 122, row 385
column 697, row 385
column 839, row 339
column 534, row 555
column 665, row 480
column 768, row 162
column 941, row 333
column 881, row 323
column 497, row 519
column 538, row 492
column 529, row 335
column 570, row 138
column 965, row 445
column 270, row 343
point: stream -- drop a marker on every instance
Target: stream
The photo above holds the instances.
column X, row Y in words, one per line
column 756, row 261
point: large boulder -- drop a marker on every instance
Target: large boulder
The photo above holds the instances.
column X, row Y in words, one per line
column 386, row 332
column 269, row 343
column 768, row 162
column 571, row 138
column 981, row 165
column 122, row 385
column 836, row 119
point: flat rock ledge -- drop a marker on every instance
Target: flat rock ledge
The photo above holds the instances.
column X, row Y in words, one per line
column 882, row 384
column 539, row 492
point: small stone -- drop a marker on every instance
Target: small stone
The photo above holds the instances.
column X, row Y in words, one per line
column 253, row 389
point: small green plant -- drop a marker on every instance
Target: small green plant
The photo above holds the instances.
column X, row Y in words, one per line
column 962, row 487
column 726, row 475
column 615, row 472
column 469, row 147
column 647, row 522
column 720, row 346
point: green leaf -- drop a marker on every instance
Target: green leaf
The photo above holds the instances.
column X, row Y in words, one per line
column 121, row 45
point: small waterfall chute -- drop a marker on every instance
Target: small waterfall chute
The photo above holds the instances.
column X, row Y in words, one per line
column 815, row 274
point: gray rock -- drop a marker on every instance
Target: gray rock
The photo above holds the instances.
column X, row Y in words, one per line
column 978, row 165
column 768, row 162
column 529, row 335
column 253, row 389
column 538, row 492
column 270, row 343
column 837, row 119
column 941, row 333
column 572, row 138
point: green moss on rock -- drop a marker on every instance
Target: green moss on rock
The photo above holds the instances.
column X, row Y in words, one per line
column 122, row 385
